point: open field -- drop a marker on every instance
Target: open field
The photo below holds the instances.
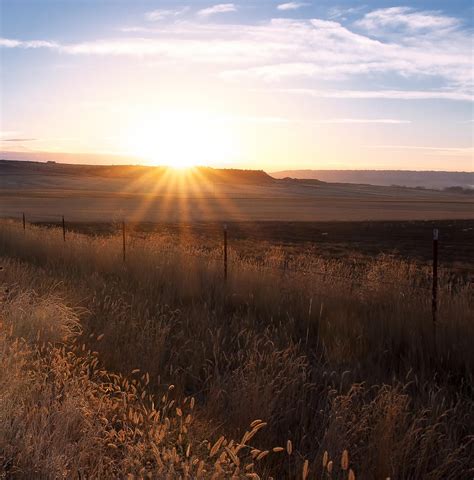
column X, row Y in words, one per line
column 236, row 240
column 104, row 194
column 318, row 357
column 348, row 360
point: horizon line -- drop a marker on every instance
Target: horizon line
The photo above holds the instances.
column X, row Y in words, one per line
column 54, row 162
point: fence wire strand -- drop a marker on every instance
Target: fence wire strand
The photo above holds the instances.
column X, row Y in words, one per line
column 214, row 255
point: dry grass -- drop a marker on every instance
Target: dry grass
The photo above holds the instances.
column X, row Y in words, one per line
column 329, row 363
column 64, row 416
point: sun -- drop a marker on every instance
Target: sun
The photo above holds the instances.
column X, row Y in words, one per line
column 180, row 140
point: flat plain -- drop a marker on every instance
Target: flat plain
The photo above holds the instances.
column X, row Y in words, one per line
column 146, row 194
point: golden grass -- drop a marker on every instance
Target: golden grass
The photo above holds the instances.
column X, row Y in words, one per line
column 64, row 416
column 333, row 365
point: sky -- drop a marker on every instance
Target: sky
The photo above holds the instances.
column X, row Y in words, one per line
column 265, row 84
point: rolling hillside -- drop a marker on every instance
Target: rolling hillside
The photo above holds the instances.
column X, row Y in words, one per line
column 406, row 178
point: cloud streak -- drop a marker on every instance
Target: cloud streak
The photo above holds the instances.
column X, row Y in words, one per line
column 342, row 13
column 455, row 151
column 289, row 53
column 291, row 6
column 216, row 9
column 17, row 139
column 382, row 121
column 162, row 14
column 406, row 19
column 12, row 43
column 383, row 94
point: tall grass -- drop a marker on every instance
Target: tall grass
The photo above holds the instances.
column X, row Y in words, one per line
column 63, row 416
column 329, row 354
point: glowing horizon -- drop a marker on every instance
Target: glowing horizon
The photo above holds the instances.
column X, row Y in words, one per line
column 243, row 85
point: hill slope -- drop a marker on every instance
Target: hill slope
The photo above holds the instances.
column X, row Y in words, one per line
column 130, row 172
column 407, row 178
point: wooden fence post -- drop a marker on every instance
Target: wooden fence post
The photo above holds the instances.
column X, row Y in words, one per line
column 123, row 241
column 434, row 295
column 225, row 252
column 64, row 230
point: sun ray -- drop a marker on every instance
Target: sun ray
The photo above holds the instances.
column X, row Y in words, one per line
column 147, row 197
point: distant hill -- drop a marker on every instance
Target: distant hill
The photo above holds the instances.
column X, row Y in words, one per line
column 406, row 178
column 130, row 172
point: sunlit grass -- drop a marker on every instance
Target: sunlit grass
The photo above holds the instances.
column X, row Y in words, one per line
column 344, row 360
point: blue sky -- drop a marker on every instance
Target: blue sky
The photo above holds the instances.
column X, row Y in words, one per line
column 257, row 84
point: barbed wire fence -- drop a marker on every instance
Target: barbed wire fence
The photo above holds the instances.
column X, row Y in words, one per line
column 227, row 256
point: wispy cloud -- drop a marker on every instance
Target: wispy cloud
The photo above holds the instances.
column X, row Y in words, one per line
column 383, row 94
column 220, row 8
column 17, row 139
column 341, row 13
column 163, row 14
column 285, row 120
column 292, row 5
column 387, row 121
column 12, row 43
column 292, row 52
column 429, row 150
column 405, row 18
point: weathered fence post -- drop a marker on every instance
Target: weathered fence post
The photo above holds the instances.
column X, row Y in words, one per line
column 225, row 252
column 24, row 222
column 123, row 241
column 64, row 230
column 434, row 295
